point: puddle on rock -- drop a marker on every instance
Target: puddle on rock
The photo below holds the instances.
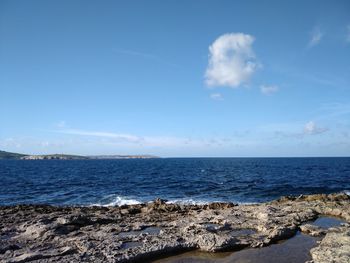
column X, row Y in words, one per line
column 130, row 244
column 327, row 222
column 293, row 250
column 6, row 236
column 211, row 227
column 152, row 230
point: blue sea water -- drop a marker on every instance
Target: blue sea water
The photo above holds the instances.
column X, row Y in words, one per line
column 186, row 180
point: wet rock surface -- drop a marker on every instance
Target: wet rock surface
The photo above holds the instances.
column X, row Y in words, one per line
column 139, row 233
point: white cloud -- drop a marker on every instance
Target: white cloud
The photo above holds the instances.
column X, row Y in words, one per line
column 268, row 90
column 231, row 60
column 216, row 96
column 348, row 34
column 316, row 36
column 311, row 128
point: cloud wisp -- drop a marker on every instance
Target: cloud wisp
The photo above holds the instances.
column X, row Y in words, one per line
column 60, row 124
column 296, row 130
column 216, row 96
column 126, row 137
column 147, row 56
column 144, row 141
column 232, row 61
column 316, row 36
column 311, row 128
column 135, row 53
column 268, row 89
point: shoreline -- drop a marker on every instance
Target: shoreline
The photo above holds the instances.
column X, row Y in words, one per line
column 147, row 231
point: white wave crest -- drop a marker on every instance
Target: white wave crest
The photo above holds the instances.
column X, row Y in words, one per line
column 347, row 192
column 116, row 201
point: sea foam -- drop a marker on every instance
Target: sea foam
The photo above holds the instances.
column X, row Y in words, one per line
column 116, row 200
column 113, row 200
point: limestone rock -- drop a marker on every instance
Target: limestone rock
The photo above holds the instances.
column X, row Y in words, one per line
column 335, row 247
column 42, row 233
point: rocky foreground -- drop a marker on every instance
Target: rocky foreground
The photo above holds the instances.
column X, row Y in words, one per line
column 139, row 233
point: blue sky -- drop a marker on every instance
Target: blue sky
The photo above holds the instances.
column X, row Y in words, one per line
column 175, row 78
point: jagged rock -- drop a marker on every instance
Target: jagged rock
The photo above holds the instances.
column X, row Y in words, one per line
column 335, row 247
column 30, row 256
column 220, row 205
column 312, row 230
column 44, row 233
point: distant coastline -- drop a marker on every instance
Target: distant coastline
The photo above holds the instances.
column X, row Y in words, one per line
column 19, row 156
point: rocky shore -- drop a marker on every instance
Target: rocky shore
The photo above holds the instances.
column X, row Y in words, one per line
column 141, row 233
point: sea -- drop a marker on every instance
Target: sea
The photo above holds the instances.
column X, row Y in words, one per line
column 177, row 180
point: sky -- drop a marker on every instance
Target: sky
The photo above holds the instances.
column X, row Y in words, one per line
column 175, row 78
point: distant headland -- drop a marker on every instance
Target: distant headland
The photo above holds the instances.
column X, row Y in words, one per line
column 20, row 156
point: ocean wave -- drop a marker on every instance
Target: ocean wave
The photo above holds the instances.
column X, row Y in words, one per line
column 116, row 200
column 347, row 192
column 113, row 200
